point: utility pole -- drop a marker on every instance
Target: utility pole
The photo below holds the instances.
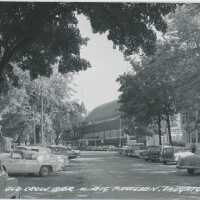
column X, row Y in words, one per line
column 42, row 117
column 120, row 129
column 34, row 132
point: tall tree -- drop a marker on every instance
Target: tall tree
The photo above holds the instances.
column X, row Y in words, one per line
column 40, row 106
column 149, row 94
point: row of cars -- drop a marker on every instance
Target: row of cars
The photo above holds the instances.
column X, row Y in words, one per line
column 101, row 148
column 37, row 159
column 181, row 156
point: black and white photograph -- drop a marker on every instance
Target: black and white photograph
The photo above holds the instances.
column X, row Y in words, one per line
column 99, row 100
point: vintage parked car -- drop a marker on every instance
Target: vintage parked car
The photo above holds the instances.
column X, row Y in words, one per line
column 140, row 152
column 190, row 161
column 111, row 148
column 171, row 154
column 76, row 150
column 61, row 150
column 126, row 150
column 129, row 150
column 154, row 153
column 167, row 154
column 21, row 162
column 45, row 153
column 136, row 149
column 8, row 182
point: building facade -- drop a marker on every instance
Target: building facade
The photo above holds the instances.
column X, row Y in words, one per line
column 103, row 126
column 191, row 127
column 177, row 132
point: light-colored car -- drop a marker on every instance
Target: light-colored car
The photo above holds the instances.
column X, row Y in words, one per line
column 140, row 152
column 190, row 162
column 77, row 151
column 21, row 162
column 136, row 149
column 182, row 154
column 112, row 148
column 124, row 150
column 45, row 153
column 7, row 182
column 35, row 148
column 171, row 154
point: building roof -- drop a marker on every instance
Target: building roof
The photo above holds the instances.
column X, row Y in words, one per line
column 102, row 126
column 104, row 112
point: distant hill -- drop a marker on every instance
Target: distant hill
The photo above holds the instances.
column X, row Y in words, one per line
column 104, row 112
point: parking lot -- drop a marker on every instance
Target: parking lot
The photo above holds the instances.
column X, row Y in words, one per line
column 109, row 175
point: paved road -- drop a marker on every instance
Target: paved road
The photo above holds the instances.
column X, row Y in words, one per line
column 109, row 175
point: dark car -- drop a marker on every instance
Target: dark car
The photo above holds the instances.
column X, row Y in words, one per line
column 154, row 153
column 168, row 155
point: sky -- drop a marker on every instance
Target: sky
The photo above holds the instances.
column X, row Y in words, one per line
column 97, row 85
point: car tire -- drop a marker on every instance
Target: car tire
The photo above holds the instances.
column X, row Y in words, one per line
column 190, row 171
column 44, row 171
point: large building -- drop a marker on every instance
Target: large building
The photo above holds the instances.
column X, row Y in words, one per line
column 191, row 127
column 103, row 126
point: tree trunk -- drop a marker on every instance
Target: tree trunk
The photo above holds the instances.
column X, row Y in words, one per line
column 169, row 129
column 57, row 140
column 159, row 129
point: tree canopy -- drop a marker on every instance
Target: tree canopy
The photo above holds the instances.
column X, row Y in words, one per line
column 43, row 103
column 38, row 35
column 168, row 81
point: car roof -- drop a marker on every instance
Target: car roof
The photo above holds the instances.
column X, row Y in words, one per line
column 32, row 147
